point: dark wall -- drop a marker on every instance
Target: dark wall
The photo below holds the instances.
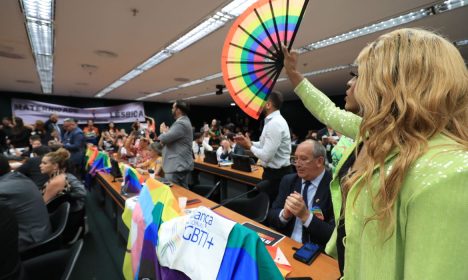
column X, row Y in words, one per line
column 297, row 116
column 300, row 120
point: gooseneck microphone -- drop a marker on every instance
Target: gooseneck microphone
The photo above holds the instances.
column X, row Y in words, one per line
column 260, row 187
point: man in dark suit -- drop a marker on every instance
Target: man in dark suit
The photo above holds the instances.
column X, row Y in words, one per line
column 73, row 140
column 177, row 141
column 21, row 195
column 30, row 168
column 303, row 209
column 51, row 125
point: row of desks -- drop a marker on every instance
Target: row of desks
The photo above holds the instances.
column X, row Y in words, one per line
column 323, row 267
column 248, row 178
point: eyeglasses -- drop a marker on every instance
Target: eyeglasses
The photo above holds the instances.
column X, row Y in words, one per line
column 353, row 74
column 296, row 161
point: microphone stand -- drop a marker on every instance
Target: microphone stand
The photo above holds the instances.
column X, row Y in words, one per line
column 232, row 199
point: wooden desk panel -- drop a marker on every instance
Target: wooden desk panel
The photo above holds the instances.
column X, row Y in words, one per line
column 248, row 178
column 323, row 267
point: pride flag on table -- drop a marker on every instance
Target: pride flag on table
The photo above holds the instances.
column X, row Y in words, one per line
column 143, row 216
column 101, row 162
column 205, row 245
column 90, row 155
column 159, row 236
column 133, row 181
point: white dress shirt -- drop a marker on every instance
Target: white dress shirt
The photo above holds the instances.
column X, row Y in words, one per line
column 274, row 147
column 200, row 149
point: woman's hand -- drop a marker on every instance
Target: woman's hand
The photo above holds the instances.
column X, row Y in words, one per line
column 290, row 66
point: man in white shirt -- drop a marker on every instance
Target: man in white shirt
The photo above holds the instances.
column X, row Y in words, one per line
column 223, row 153
column 274, row 146
column 200, row 145
column 303, row 209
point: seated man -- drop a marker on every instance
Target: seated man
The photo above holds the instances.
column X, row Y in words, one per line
column 303, row 209
column 223, row 153
column 199, row 145
column 31, row 168
column 236, row 149
column 21, row 195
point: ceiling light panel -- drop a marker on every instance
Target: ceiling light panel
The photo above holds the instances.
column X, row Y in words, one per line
column 39, row 21
column 386, row 24
column 39, row 10
column 205, row 28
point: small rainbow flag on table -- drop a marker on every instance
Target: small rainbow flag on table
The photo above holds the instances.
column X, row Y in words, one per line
column 102, row 161
column 90, row 156
column 133, row 181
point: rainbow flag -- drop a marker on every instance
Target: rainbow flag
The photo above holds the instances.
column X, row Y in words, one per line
column 156, row 204
column 132, row 179
column 157, row 232
column 246, row 257
column 90, row 156
column 102, row 161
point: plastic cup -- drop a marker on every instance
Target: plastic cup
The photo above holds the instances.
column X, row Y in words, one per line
column 182, row 202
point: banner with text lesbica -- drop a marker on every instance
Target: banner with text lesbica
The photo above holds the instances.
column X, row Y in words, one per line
column 30, row 111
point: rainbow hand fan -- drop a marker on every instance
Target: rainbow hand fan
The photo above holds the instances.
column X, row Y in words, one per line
column 252, row 58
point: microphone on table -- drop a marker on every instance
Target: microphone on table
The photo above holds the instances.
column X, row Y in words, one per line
column 260, row 187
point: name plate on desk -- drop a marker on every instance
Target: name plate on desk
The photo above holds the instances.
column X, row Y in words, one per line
column 268, row 237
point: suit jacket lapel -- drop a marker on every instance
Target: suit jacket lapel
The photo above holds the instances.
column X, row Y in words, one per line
column 297, row 184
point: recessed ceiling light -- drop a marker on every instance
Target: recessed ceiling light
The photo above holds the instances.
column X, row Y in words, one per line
column 24, row 81
column 90, row 68
column 181, row 79
column 233, row 104
column 107, row 54
column 10, row 55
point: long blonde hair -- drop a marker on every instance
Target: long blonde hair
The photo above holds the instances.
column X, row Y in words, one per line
column 412, row 85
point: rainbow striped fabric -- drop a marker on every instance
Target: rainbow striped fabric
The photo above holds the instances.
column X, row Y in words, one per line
column 143, row 216
column 132, row 179
column 252, row 58
column 101, row 161
column 151, row 218
column 90, row 154
column 247, row 258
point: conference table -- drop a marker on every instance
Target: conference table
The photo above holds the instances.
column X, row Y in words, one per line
column 323, row 267
column 227, row 172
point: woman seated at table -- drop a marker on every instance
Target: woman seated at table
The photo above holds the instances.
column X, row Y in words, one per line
column 62, row 183
column 107, row 142
column 136, row 147
column 155, row 159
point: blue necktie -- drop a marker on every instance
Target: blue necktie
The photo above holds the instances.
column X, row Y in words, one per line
column 305, row 235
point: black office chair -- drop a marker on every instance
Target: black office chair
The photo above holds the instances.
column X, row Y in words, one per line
column 56, row 202
column 55, row 265
column 212, row 192
column 58, row 221
column 255, row 208
column 75, row 223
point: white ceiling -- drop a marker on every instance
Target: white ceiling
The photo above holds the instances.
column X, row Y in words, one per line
column 83, row 27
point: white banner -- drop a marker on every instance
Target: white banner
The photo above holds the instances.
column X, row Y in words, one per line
column 30, row 111
column 194, row 244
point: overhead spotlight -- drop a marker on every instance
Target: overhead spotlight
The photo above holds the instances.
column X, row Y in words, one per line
column 219, row 89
